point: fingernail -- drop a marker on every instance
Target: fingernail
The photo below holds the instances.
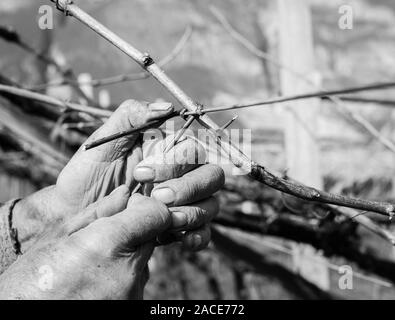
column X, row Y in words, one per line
column 197, row 241
column 179, row 219
column 144, row 174
column 166, row 195
column 160, row 106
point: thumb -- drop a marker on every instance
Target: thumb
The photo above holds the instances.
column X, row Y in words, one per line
column 130, row 114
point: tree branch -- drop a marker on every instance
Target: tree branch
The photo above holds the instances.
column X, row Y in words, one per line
column 382, row 102
column 311, row 194
column 54, row 101
column 302, row 96
column 125, row 77
column 236, row 156
column 10, row 35
column 261, row 265
column 340, row 106
column 35, row 141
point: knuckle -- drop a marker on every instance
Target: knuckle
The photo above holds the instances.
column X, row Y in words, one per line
column 129, row 104
column 133, row 110
column 88, row 244
column 104, row 230
column 125, row 107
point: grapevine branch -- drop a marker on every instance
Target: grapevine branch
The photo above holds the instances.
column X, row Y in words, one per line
column 369, row 225
column 240, row 160
column 54, row 101
column 318, row 209
column 382, row 102
column 243, row 254
column 308, row 95
column 24, row 129
column 333, row 237
column 124, row 77
column 317, row 94
column 334, row 99
column 9, row 34
column 308, row 193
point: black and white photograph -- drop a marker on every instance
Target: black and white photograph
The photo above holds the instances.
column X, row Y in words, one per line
column 198, row 155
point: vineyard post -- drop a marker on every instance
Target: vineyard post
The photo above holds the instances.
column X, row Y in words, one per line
column 296, row 49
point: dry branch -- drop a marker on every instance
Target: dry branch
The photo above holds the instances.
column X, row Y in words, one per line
column 382, row 102
column 36, row 142
column 125, row 77
column 368, row 224
column 311, row 194
column 242, row 254
column 10, row 35
column 237, row 157
column 147, row 63
column 322, row 211
column 20, row 163
column 333, row 236
column 54, row 101
column 340, row 106
column 308, row 95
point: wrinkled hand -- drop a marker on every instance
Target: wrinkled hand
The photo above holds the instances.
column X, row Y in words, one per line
column 100, row 253
column 185, row 186
column 92, row 174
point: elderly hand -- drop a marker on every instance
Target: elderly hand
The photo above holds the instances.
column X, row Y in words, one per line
column 100, row 253
column 184, row 186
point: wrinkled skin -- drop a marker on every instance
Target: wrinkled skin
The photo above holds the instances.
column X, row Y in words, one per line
column 100, row 253
column 91, row 175
column 100, row 241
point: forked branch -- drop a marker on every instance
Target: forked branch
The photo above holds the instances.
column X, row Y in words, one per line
column 340, row 106
column 237, row 157
column 124, row 77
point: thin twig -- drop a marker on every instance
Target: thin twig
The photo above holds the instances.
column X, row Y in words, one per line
column 315, row 94
column 382, row 102
column 239, row 159
column 125, row 77
column 368, row 224
column 340, row 106
column 147, row 63
column 23, row 128
column 179, row 134
column 54, row 101
column 308, row 193
column 171, row 144
column 9, row 34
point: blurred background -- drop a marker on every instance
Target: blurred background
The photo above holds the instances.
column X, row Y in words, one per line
column 224, row 52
